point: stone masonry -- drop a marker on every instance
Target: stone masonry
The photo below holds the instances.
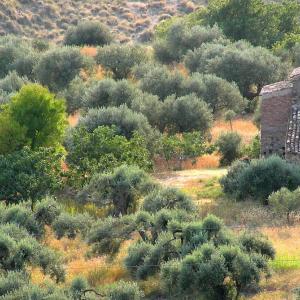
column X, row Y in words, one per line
column 280, row 118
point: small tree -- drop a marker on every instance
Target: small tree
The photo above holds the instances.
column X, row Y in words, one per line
column 88, row 33
column 285, row 202
column 229, row 115
column 41, row 116
column 229, row 146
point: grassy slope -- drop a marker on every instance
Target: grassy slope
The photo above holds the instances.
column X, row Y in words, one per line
column 50, row 18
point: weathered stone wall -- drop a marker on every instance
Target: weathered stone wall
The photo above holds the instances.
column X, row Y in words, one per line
column 275, row 112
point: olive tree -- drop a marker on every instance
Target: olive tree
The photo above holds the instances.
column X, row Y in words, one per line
column 120, row 189
column 186, row 114
column 120, row 59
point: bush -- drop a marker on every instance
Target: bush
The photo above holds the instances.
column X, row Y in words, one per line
column 12, row 82
column 186, row 114
column 88, row 33
column 260, row 178
column 59, row 66
column 229, row 146
column 285, row 202
column 167, row 198
column 120, row 59
column 253, row 149
column 46, row 211
column 66, row 225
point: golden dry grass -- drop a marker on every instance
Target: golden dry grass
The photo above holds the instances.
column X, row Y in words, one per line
column 243, row 126
column 73, row 119
column 89, row 51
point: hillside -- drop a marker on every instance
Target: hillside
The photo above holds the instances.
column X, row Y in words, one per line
column 50, row 18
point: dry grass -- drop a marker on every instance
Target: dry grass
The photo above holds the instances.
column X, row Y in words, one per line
column 73, row 119
column 89, row 51
column 245, row 127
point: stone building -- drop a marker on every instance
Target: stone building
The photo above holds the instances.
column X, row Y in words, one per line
column 280, row 118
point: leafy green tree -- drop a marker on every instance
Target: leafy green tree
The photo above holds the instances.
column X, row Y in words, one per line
column 229, row 146
column 120, row 59
column 285, row 202
column 104, row 149
column 88, row 33
column 245, row 19
column 186, row 114
column 41, row 116
column 57, row 67
column 120, row 189
column 28, row 174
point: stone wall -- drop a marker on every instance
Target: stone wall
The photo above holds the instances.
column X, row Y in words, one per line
column 275, row 111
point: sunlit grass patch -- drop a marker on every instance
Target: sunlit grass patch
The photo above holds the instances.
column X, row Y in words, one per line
column 285, row 263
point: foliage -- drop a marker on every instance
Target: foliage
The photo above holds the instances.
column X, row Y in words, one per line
column 37, row 114
column 12, row 82
column 88, row 33
column 180, row 38
column 190, row 145
column 187, row 113
column 121, row 189
column 158, row 80
column 126, row 121
column 285, row 202
column 28, row 174
column 220, row 94
column 249, row 67
column 168, row 198
column 229, row 146
column 245, row 19
column 57, row 67
column 46, row 211
column 253, row 149
column 104, row 149
column 120, row 59
column 66, row 225
column 124, row 291
column 108, row 92
column 256, row 180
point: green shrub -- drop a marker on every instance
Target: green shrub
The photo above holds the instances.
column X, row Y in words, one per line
column 229, row 146
column 46, row 211
column 88, row 33
column 260, row 178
